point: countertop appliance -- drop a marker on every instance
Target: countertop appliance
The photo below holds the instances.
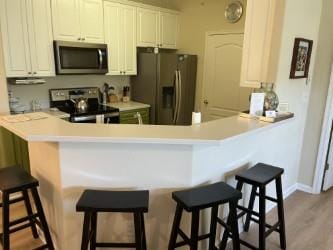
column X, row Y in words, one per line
column 80, row 58
column 95, row 112
column 167, row 82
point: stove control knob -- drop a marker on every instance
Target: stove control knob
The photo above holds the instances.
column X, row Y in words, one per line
column 58, row 94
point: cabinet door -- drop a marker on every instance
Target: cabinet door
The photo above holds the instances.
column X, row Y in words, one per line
column 66, row 20
column 40, row 37
column 15, row 38
column 91, row 20
column 129, row 40
column 112, row 29
column 262, row 39
column 169, row 27
column 147, row 28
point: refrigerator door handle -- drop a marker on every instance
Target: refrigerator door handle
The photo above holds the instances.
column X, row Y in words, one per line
column 179, row 94
column 177, row 97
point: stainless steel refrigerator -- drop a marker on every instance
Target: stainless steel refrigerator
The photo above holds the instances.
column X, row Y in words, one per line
column 167, row 82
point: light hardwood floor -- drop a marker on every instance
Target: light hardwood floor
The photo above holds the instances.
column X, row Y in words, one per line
column 309, row 225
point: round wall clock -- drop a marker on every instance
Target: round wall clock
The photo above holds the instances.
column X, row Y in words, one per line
column 233, row 11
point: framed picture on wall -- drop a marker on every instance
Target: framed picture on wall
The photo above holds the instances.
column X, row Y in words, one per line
column 301, row 58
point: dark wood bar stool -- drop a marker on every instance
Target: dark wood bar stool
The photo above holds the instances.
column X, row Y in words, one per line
column 196, row 199
column 16, row 180
column 94, row 201
column 259, row 177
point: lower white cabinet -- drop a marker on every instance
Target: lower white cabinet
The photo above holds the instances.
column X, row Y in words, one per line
column 27, row 38
column 120, row 36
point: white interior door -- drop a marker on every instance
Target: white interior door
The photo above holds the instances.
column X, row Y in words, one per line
column 328, row 179
column 222, row 95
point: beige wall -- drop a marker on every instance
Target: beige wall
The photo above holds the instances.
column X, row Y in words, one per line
column 197, row 18
column 319, row 88
column 3, row 85
column 302, row 19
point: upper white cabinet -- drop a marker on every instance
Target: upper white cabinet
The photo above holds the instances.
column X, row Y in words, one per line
column 78, row 20
column 27, row 37
column 262, row 39
column 168, row 30
column 157, row 28
column 120, row 36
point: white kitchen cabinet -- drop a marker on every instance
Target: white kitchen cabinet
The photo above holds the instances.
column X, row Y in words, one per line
column 262, row 39
column 120, row 36
column 157, row 28
column 78, row 20
column 147, row 27
column 168, row 30
column 27, row 38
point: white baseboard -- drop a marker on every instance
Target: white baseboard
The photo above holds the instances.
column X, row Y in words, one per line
column 304, row 188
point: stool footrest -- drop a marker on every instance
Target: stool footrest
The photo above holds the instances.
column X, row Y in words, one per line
column 268, row 198
column 112, row 244
column 272, row 228
column 186, row 240
column 42, row 247
column 18, row 199
column 248, row 245
column 225, row 225
column 18, row 228
column 246, row 210
column 23, row 219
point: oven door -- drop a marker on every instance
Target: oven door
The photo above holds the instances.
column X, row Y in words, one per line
column 112, row 118
column 80, row 58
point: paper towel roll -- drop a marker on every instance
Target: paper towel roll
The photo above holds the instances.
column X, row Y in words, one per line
column 196, row 118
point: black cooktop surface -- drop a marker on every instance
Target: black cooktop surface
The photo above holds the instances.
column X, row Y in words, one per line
column 93, row 109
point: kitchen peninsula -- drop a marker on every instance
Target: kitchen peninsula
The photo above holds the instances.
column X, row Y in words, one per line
column 67, row 158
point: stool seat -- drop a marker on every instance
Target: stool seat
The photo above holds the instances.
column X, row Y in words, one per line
column 260, row 174
column 206, row 196
column 14, row 179
column 114, row 201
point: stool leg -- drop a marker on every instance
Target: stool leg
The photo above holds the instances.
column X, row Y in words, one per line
column 138, row 231
column 5, row 221
column 282, row 229
column 93, row 227
column 234, row 225
column 250, row 207
column 175, row 226
column 213, row 224
column 262, row 218
column 85, row 231
column 42, row 218
column 29, row 212
column 195, row 230
column 224, row 241
column 144, row 242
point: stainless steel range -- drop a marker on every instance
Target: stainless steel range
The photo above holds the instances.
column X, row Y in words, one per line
column 83, row 105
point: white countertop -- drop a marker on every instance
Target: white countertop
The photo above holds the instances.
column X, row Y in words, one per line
column 53, row 129
column 127, row 106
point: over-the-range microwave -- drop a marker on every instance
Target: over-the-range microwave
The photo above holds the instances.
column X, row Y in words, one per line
column 80, row 58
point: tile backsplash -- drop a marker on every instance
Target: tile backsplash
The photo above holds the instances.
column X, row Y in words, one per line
column 28, row 93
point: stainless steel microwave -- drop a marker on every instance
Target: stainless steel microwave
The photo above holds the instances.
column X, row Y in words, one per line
column 80, row 58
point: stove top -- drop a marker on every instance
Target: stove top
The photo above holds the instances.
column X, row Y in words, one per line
column 93, row 109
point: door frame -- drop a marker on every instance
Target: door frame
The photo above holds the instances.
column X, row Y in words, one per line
column 203, row 96
column 324, row 140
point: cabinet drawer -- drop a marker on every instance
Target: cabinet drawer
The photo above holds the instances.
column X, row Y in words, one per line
column 129, row 117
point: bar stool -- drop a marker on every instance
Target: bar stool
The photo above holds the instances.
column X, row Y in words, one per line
column 15, row 180
column 193, row 201
column 260, row 176
column 93, row 201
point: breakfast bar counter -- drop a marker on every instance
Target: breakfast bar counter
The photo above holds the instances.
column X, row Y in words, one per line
column 67, row 158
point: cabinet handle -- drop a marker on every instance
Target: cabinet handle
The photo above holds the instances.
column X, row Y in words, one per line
column 79, row 39
column 124, row 72
column 83, row 39
column 206, row 102
column 29, row 73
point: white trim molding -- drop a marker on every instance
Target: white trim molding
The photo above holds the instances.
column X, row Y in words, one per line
column 305, row 188
column 324, row 140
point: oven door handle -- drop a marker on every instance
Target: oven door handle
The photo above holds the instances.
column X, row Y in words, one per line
column 84, row 118
column 100, row 58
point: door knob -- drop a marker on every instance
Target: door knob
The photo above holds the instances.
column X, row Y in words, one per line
column 205, row 102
